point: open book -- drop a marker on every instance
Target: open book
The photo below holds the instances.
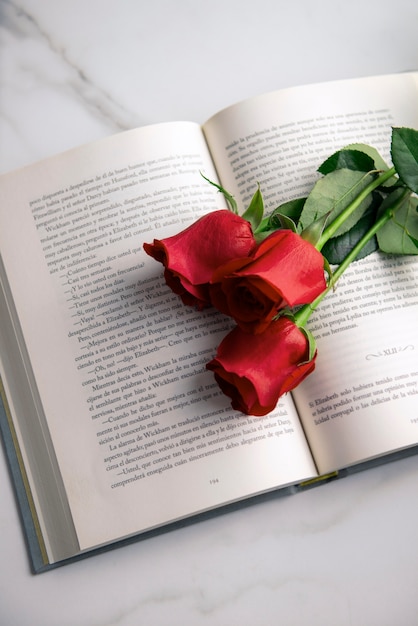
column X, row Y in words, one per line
column 113, row 426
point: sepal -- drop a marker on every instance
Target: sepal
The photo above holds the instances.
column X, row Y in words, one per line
column 311, row 343
column 228, row 197
column 254, row 213
column 313, row 232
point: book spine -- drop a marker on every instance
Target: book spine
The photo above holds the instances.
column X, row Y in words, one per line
column 36, row 546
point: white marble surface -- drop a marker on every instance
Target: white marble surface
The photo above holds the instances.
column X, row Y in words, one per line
column 344, row 554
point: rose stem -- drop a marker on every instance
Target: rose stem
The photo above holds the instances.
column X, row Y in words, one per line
column 340, row 219
column 302, row 316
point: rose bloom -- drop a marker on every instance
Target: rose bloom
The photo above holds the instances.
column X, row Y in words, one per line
column 255, row 370
column 191, row 256
column 284, row 270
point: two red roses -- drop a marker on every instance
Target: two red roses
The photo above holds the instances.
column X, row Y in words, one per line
column 216, row 261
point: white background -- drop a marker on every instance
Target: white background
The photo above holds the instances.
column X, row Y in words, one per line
column 344, row 554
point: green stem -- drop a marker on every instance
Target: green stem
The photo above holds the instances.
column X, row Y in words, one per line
column 302, row 316
column 340, row 219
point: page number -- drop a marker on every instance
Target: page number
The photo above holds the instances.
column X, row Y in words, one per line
column 214, row 481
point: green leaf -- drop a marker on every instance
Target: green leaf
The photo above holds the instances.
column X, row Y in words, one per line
column 349, row 159
column 254, row 213
column 228, row 197
column 379, row 162
column 404, row 152
column 337, row 248
column 374, row 154
column 397, row 236
column 414, row 241
column 332, row 194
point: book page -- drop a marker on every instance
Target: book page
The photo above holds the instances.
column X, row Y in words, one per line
column 279, row 139
column 361, row 400
column 141, row 432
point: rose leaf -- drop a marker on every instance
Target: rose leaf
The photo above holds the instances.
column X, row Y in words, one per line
column 349, row 159
column 332, row 194
column 398, row 234
column 337, row 248
column 404, row 152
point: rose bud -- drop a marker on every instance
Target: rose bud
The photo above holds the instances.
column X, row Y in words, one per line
column 284, row 270
column 191, row 256
column 255, row 370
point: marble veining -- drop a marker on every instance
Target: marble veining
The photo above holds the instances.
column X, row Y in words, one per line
column 42, row 73
column 23, row 25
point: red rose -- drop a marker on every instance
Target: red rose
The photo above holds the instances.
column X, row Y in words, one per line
column 191, row 256
column 255, row 370
column 284, row 270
